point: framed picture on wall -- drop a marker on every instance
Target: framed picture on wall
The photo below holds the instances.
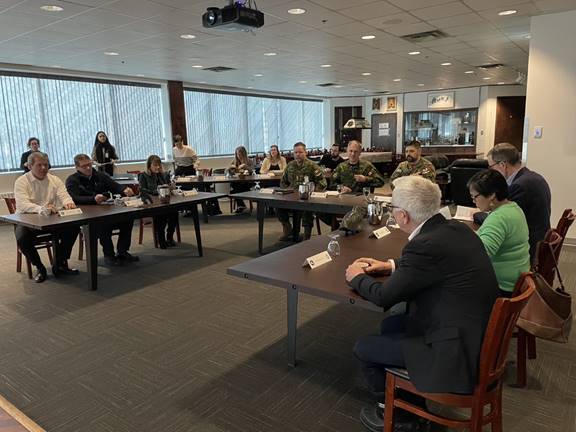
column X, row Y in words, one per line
column 441, row 100
column 391, row 103
column 376, row 104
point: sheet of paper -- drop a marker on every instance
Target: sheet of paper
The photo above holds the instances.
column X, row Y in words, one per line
column 71, row 212
column 318, row 195
column 381, row 232
column 465, row 213
column 318, row 260
column 383, row 132
column 134, row 203
column 445, row 211
column 332, row 193
column 383, row 125
column 189, row 193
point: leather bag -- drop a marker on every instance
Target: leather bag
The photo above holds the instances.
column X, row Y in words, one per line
column 548, row 313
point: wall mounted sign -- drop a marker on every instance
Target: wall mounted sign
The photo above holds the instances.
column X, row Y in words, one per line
column 441, row 100
column 391, row 103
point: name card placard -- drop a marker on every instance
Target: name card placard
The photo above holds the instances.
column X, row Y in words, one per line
column 382, row 198
column 189, row 193
column 332, row 193
column 185, row 180
column 219, row 178
column 134, row 202
column 267, row 191
column 317, row 260
column 71, row 212
column 380, row 232
column 318, row 195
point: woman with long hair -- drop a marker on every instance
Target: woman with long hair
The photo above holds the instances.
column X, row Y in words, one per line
column 33, row 146
column 274, row 161
column 104, row 154
column 164, row 225
column 241, row 163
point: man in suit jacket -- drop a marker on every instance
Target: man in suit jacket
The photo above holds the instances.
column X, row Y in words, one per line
column 526, row 188
column 448, row 282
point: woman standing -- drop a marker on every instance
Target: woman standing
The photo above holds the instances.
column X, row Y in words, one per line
column 504, row 232
column 184, row 158
column 164, row 225
column 33, row 146
column 241, row 163
column 104, row 154
column 273, row 162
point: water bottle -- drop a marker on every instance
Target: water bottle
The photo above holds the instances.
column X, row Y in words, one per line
column 333, row 248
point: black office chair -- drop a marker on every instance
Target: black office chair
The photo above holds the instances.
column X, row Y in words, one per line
column 462, row 170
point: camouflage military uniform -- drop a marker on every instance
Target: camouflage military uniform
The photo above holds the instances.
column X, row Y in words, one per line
column 294, row 176
column 422, row 168
column 345, row 172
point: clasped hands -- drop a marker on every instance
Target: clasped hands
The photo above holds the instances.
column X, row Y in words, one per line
column 368, row 266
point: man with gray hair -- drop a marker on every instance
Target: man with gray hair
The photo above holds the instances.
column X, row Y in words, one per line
column 40, row 192
column 448, row 282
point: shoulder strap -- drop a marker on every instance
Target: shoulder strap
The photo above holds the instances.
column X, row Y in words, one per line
column 561, row 288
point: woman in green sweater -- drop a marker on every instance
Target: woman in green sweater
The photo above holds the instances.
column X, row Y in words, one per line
column 164, row 225
column 505, row 231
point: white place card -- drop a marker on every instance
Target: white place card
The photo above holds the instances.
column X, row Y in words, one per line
column 317, row 260
column 267, row 191
column 134, row 202
column 219, row 178
column 71, row 212
column 445, row 211
column 332, row 193
column 318, row 195
column 382, row 198
column 465, row 213
column 185, row 180
column 381, row 232
column 189, row 193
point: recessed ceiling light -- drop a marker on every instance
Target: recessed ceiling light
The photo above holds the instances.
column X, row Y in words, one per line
column 486, row 78
column 270, row 54
column 338, row 86
column 111, row 53
column 258, row 75
column 368, row 37
column 52, row 8
column 446, row 64
column 500, row 83
column 187, row 36
column 420, row 85
column 507, row 12
column 202, row 82
column 325, row 66
column 414, row 53
column 197, row 66
column 397, row 79
column 249, row 88
column 140, row 75
column 440, row 88
column 366, row 73
column 365, row 90
column 527, row 37
column 296, row 11
column 469, row 72
column 303, row 82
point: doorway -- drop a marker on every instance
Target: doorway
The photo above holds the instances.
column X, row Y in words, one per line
column 510, row 120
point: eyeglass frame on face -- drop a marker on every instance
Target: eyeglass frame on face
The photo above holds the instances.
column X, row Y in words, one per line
column 475, row 196
column 494, row 164
column 86, row 165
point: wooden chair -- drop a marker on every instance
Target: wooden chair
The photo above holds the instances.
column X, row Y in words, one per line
column 492, row 366
column 43, row 241
column 150, row 222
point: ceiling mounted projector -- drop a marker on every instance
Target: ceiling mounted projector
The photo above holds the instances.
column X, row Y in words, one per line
column 234, row 17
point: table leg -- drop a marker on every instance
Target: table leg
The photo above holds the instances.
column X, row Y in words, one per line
column 260, row 211
column 197, row 229
column 292, row 294
column 90, row 243
column 205, row 211
column 296, row 218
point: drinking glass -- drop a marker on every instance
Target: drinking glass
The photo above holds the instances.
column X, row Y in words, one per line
column 339, row 188
column 366, row 192
column 257, row 186
column 179, row 190
column 333, row 248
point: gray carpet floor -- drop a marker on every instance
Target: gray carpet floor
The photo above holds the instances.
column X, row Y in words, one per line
column 173, row 344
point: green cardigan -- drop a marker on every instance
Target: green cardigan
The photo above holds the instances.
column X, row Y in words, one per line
column 505, row 237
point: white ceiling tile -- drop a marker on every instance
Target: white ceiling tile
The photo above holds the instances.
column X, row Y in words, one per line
column 553, row 6
column 388, row 21
column 480, row 5
column 340, row 4
column 442, row 11
column 315, row 16
column 458, row 20
column 138, row 8
column 403, row 30
column 371, row 10
column 417, row 4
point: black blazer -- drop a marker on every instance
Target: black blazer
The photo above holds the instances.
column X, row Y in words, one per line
column 531, row 192
column 448, row 281
column 83, row 190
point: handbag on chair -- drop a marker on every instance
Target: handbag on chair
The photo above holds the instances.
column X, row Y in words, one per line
column 548, row 313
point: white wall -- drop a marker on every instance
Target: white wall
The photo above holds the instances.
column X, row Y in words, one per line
column 551, row 103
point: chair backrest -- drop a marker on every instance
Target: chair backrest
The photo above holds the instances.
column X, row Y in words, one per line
column 565, row 222
column 547, row 255
column 462, row 170
column 11, row 204
column 499, row 332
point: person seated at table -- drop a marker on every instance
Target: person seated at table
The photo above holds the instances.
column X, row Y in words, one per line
column 104, row 154
column 40, row 192
column 185, row 158
column 446, row 277
column 356, row 174
column 331, row 159
column 274, row 161
column 240, row 164
column 88, row 186
column 504, row 232
column 294, row 175
column 33, row 146
column 414, row 164
column 164, row 225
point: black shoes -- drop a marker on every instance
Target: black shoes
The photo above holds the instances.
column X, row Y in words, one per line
column 170, row 243
column 64, row 270
column 112, row 261
column 40, row 275
column 127, row 257
column 373, row 420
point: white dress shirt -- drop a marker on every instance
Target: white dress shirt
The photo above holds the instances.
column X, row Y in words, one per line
column 33, row 195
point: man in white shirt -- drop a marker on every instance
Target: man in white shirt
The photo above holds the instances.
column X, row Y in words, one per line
column 40, row 192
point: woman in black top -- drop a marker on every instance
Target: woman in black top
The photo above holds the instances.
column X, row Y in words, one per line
column 104, row 153
column 241, row 164
column 34, row 146
column 164, row 225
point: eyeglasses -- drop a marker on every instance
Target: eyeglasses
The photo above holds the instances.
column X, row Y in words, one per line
column 494, row 164
column 475, row 196
column 86, row 165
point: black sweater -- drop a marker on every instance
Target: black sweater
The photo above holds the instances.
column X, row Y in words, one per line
column 83, row 189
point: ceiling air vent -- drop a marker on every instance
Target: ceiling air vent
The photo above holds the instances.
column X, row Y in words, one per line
column 490, row 66
column 326, row 85
column 425, row 36
column 219, row 69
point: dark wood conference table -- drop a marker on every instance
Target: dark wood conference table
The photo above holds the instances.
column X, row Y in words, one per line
column 283, row 269
column 93, row 215
column 193, row 181
column 338, row 205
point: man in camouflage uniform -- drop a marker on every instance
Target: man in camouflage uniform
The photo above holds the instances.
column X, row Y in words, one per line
column 294, row 175
column 414, row 164
column 355, row 174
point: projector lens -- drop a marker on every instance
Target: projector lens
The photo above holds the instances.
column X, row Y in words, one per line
column 211, row 17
